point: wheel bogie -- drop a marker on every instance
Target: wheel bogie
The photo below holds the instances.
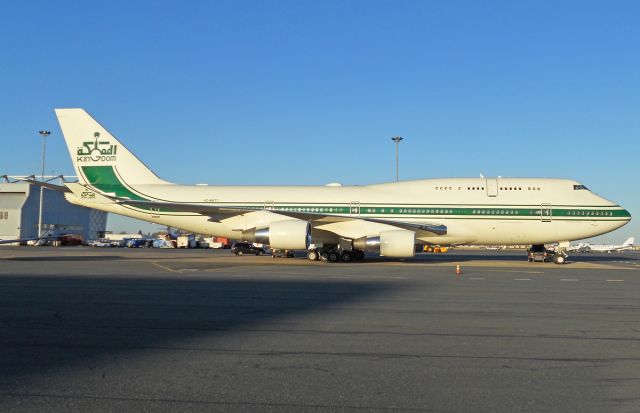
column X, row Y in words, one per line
column 333, row 254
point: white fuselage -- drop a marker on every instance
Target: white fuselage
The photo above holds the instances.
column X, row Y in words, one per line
column 475, row 211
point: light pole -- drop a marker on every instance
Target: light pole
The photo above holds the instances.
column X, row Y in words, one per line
column 44, row 134
column 397, row 140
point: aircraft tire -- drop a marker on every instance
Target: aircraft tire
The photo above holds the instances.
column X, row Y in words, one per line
column 333, row 256
column 346, row 256
column 313, row 255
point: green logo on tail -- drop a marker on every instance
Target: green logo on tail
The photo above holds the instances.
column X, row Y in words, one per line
column 96, row 151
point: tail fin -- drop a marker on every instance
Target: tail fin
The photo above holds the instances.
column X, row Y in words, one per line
column 99, row 159
column 629, row 241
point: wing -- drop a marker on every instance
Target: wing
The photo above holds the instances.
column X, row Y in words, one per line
column 47, row 185
column 23, row 240
column 356, row 225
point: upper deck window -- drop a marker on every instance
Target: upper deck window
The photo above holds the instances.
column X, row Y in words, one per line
column 578, row 187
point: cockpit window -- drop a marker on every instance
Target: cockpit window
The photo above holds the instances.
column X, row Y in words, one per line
column 578, row 187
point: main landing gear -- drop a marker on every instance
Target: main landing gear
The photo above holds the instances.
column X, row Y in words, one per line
column 334, row 254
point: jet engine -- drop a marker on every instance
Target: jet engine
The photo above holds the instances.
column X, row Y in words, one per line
column 393, row 243
column 283, row 235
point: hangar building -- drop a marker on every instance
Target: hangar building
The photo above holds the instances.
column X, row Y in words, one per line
column 19, row 207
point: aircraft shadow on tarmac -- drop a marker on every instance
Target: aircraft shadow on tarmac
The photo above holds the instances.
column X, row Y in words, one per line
column 69, row 324
column 510, row 256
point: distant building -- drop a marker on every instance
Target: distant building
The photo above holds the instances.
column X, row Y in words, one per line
column 19, row 207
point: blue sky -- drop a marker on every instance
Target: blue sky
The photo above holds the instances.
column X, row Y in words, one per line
column 302, row 92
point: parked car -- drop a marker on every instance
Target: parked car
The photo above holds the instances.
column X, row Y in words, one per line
column 241, row 248
column 103, row 243
column 139, row 243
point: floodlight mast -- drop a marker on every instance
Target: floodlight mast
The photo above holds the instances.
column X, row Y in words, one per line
column 397, row 140
column 44, row 134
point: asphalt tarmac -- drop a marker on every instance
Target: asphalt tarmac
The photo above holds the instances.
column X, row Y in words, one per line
column 94, row 330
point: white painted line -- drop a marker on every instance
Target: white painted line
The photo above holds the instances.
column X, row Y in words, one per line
column 569, row 279
column 522, row 279
column 476, row 278
column 517, row 271
column 615, row 281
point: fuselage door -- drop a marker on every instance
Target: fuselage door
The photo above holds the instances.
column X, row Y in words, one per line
column 492, row 186
column 354, row 208
column 545, row 212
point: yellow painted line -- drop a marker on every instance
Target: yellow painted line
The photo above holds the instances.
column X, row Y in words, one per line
column 164, row 268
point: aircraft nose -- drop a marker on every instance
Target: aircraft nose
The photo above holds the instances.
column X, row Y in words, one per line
column 626, row 214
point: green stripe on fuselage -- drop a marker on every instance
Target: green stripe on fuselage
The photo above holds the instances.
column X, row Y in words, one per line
column 481, row 212
column 105, row 179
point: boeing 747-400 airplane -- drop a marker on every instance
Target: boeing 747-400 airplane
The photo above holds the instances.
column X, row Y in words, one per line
column 336, row 222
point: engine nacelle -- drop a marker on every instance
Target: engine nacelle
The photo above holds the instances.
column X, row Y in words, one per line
column 395, row 243
column 282, row 235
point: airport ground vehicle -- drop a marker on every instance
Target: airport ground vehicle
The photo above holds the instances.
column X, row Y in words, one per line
column 435, row 249
column 275, row 253
column 242, row 248
column 539, row 253
column 542, row 254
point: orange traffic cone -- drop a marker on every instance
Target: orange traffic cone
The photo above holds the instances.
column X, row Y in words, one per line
column 458, row 270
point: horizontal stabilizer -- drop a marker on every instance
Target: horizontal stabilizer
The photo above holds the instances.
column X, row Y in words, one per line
column 87, row 194
column 47, row 185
